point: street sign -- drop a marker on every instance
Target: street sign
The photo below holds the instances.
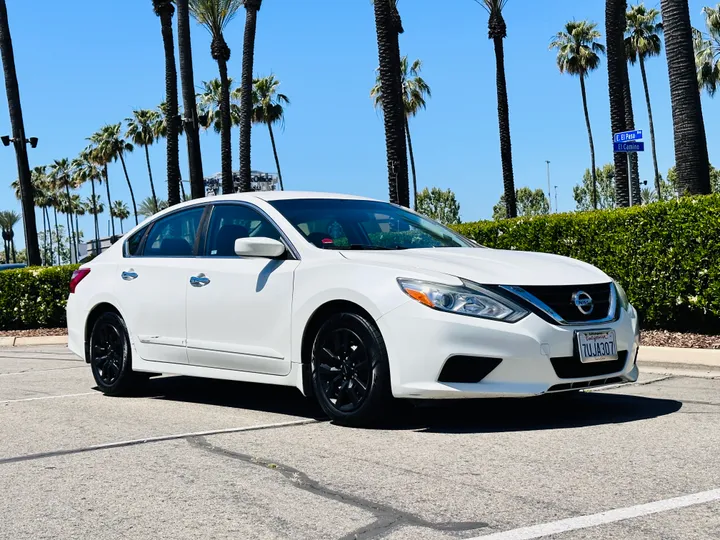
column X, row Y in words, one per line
column 629, row 147
column 628, row 136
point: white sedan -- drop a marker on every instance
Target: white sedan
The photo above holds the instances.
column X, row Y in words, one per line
column 350, row 300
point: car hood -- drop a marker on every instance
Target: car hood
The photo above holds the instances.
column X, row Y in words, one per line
column 487, row 266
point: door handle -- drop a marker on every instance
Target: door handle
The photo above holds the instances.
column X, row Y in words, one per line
column 129, row 275
column 199, row 281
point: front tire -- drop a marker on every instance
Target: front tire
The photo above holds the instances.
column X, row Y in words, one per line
column 110, row 356
column 350, row 370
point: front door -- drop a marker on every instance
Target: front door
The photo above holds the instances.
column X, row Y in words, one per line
column 152, row 286
column 239, row 308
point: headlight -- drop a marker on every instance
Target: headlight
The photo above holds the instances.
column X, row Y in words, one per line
column 470, row 299
column 622, row 296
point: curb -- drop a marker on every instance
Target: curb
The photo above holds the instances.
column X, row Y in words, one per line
column 689, row 362
column 30, row 341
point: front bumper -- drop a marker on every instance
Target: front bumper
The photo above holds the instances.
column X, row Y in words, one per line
column 420, row 340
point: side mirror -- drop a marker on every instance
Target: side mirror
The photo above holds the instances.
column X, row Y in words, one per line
column 265, row 248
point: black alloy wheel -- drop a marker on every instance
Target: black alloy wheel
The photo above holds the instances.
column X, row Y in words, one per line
column 350, row 369
column 110, row 358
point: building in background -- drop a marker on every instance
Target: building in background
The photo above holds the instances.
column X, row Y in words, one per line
column 260, row 181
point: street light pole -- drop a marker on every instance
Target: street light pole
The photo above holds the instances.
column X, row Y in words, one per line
column 556, row 204
column 549, row 191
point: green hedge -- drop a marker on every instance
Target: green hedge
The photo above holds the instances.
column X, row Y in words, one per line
column 34, row 297
column 666, row 255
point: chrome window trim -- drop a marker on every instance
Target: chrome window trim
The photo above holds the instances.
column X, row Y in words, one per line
column 542, row 306
column 147, row 227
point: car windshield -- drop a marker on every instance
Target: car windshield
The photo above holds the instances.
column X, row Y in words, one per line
column 358, row 224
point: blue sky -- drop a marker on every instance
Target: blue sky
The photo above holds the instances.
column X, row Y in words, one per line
column 86, row 63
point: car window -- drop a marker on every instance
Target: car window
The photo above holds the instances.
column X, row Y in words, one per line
column 360, row 224
column 174, row 235
column 232, row 221
column 133, row 243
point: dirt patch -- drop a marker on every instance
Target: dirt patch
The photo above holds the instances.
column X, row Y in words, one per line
column 662, row 338
column 37, row 332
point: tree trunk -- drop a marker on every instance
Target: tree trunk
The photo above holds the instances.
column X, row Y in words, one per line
column 691, row 153
column 504, row 122
column 71, row 231
column 277, row 161
column 615, row 23
column 171, row 109
column 6, row 247
column 107, row 187
column 251, row 8
column 228, row 186
column 412, row 162
column 630, row 126
column 49, row 239
column 57, row 237
column 44, row 251
column 387, row 31
column 192, row 129
column 121, row 227
column 658, row 188
column 12, row 247
column 592, row 143
column 77, row 239
column 152, row 184
column 182, row 190
column 18, row 131
column 132, row 195
column 95, row 217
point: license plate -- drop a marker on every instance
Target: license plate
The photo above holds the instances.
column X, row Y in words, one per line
column 598, row 346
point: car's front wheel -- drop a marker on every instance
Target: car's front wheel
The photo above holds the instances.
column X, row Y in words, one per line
column 110, row 356
column 350, row 370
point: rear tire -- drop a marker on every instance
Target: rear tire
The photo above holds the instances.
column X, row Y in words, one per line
column 111, row 357
column 350, row 370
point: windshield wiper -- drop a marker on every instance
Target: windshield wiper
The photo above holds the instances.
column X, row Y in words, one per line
column 367, row 247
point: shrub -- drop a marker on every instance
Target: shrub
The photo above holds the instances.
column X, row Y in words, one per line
column 666, row 255
column 34, row 297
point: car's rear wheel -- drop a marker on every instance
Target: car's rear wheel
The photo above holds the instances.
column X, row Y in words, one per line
column 110, row 356
column 350, row 370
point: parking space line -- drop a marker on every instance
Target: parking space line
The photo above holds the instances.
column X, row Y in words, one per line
column 603, row 518
column 49, row 397
column 160, row 438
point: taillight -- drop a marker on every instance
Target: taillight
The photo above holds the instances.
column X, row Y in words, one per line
column 77, row 277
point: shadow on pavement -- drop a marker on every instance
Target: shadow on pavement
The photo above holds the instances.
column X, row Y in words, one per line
column 545, row 412
column 462, row 416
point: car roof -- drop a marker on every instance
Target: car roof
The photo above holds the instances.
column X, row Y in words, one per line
column 287, row 195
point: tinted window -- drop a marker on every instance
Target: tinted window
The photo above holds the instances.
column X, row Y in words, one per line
column 133, row 243
column 232, row 221
column 174, row 235
column 357, row 224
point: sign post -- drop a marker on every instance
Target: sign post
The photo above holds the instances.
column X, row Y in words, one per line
column 629, row 142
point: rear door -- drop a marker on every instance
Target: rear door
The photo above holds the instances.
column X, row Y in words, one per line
column 152, row 284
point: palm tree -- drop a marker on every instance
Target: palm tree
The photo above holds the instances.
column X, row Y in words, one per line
column 691, row 153
column 148, row 208
column 99, row 155
column 8, row 220
column 644, row 41
column 415, row 91
column 60, row 175
column 647, row 195
column 120, row 210
column 497, row 31
column 141, row 131
column 165, row 10
column 617, row 76
column 707, row 51
column 18, row 130
column 41, row 191
column 187, row 80
column 78, row 208
column 246, row 105
column 388, row 26
column 96, row 207
column 578, row 53
column 209, row 103
column 268, row 109
column 111, row 147
column 85, row 170
column 215, row 15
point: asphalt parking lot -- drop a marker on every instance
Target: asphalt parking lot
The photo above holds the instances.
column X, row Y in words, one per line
column 190, row 458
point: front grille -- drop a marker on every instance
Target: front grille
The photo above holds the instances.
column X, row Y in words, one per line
column 571, row 367
column 561, row 300
column 467, row 369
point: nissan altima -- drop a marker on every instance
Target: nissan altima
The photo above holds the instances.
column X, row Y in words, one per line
column 353, row 301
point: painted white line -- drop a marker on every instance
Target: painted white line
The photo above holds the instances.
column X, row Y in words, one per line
column 603, row 518
column 50, row 397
